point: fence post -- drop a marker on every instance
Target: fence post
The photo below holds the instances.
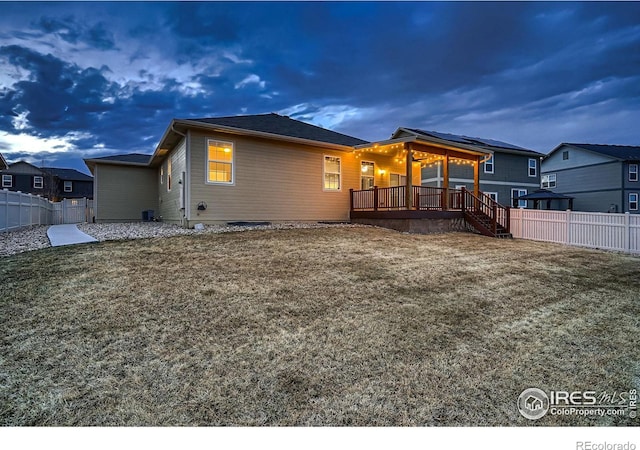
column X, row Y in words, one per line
column 627, row 232
column 568, row 233
column 6, row 204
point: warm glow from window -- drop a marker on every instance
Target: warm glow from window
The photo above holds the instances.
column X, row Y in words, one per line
column 220, row 162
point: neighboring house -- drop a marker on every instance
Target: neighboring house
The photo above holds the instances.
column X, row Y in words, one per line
column 601, row 178
column 263, row 167
column 52, row 183
column 69, row 183
column 510, row 173
column 3, row 163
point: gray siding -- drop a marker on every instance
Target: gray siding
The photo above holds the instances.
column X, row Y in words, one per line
column 123, row 192
column 577, row 158
column 590, row 178
column 510, row 172
column 169, row 200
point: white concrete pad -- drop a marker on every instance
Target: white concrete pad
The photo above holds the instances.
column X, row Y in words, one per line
column 67, row 234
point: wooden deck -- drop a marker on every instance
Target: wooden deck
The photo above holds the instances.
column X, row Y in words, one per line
column 430, row 203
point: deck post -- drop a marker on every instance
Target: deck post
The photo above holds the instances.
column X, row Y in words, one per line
column 408, row 200
column 375, row 198
column 351, row 199
column 445, row 182
column 463, row 198
column 476, row 177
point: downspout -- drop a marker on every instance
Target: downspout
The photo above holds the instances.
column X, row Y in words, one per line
column 184, row 188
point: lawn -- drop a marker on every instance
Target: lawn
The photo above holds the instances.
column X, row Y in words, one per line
column 338, row 326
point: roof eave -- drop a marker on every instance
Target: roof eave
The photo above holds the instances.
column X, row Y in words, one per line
column 259, row 134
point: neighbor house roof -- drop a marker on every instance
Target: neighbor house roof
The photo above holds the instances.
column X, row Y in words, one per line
column 67, row 174
column 484, row 143
column 3, row 162
column 620, row 152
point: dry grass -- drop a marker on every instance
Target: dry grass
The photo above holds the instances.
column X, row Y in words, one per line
column 311, row 327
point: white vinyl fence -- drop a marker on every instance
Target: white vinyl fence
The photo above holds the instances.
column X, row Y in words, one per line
column 19, row 210
column 620, row 232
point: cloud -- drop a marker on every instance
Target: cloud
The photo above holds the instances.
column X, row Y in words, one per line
column 70, row 30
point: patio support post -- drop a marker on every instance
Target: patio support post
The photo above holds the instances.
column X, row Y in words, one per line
column 408, row 193
column 476, row 177
column 445, row 181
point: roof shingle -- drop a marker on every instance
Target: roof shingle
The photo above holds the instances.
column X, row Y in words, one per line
column 284, row 126
column 624, row 152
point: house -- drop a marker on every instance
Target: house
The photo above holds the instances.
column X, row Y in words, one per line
column 3, row 163
column 270, row 167
column 601, row 178
column 510, row 173
column 52, row 183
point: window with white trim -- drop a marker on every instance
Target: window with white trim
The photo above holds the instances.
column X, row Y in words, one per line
column 367, row 175
column 169, row 168
column 38, row 182
column 397, row 179
column 488, row 165
column 220, row 162
column 492, row 195
column 332, row 173
column 515, row 193
column 633, row 201
column 548, row 181
column 68, row 186
column 633, row 172
column 162, row 174
column 533, row 167
column 7, row 181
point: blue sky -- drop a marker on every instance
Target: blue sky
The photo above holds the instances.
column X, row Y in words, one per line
column 87, row 79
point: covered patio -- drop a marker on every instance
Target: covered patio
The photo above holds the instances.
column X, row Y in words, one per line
column 410, row 201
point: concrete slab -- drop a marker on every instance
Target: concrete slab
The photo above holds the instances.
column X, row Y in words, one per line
column 67, row 234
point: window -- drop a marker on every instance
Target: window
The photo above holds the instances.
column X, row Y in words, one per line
column 515, row 193
column 397, row 180
column 367, row 175
column 7, row 181
column 548, row 181
column 533, row 167
column 331, row 173
column 169, row 167
column 38, row 182
column 633, row 201
column 488, row 165
column 565, row 155
column 162, row 174
column 492, row 195
column 220, row 156
column 68, row 186
column 633, row 172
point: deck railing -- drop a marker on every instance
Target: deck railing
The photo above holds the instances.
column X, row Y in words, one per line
column 485, row 207
column 486, row 214
column 393, row 198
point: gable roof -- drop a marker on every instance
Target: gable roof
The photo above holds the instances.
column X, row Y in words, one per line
column 488, row 144
column 3, row 162
column 283, row 126
column 620, row 152
column 128, row 159
column 67, row 174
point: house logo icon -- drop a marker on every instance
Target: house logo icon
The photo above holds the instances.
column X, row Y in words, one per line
column 533, row 403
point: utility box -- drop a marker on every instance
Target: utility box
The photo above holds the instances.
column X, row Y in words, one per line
column 147, row 215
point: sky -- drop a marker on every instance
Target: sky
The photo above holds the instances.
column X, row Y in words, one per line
column 87, row 79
